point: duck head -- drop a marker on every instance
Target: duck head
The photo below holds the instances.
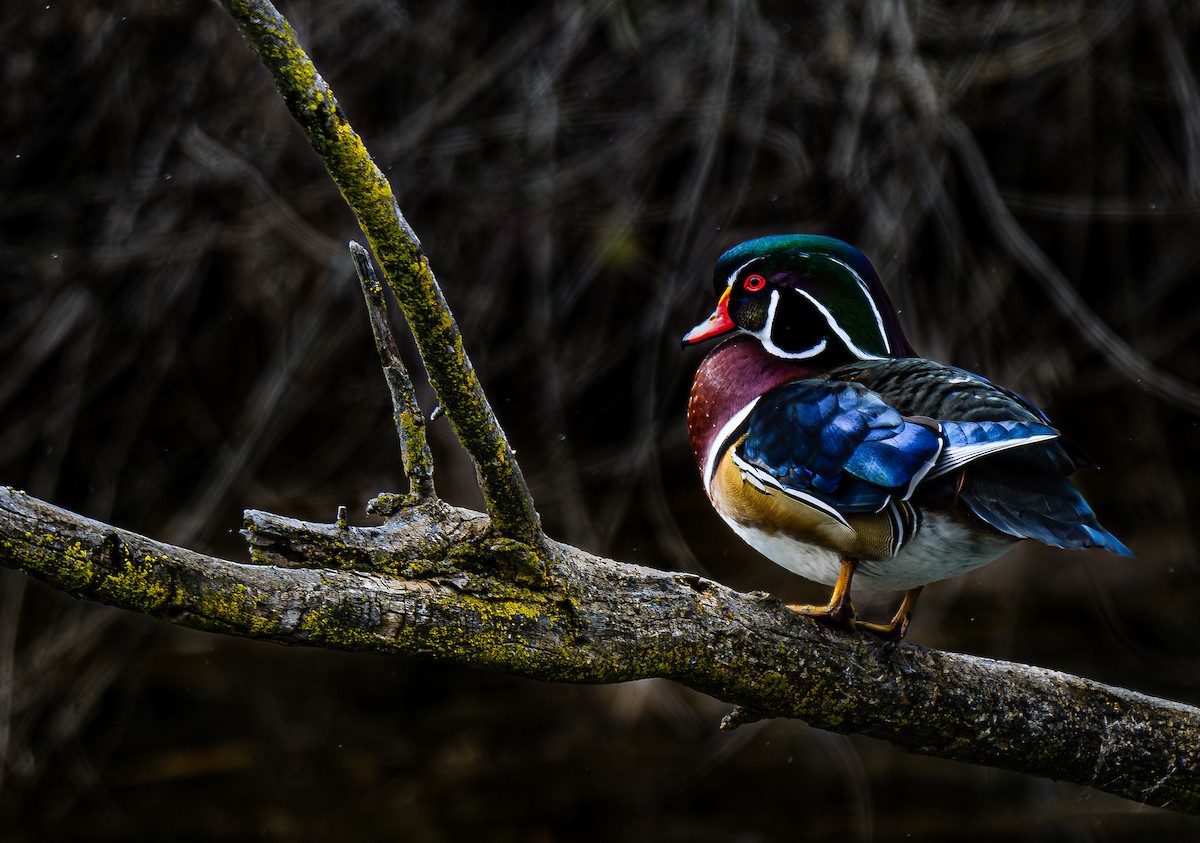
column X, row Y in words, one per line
column 804, row 297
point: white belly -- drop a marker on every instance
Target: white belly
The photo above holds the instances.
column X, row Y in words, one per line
column 941, row 549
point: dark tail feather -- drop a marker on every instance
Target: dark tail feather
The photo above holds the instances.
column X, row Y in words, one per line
column 1034, row 501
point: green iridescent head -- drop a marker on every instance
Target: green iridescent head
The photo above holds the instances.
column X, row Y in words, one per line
column 804, row 296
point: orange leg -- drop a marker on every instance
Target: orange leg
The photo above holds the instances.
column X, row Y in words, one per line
column 839, row 611
column 898, row 626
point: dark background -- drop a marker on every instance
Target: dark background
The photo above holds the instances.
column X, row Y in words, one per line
column 181, row 337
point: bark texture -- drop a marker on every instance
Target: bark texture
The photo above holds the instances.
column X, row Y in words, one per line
column 367, row 192
column 436, row 582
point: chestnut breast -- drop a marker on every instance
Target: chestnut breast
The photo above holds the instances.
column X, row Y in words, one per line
column 730, row 377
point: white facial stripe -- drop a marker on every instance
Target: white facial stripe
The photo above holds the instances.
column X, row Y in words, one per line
column 710, row 465
column 862, row 285
column 837, row 329
column 764, row 336
column 733, row 276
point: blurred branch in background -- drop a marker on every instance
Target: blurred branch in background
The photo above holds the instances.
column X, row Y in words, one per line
column 1114, row 349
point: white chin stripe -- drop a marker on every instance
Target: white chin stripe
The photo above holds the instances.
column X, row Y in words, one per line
column 764, row 336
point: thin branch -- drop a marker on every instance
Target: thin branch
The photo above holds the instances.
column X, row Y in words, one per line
column 410, row 421
column 312, row 104
column 436, row 583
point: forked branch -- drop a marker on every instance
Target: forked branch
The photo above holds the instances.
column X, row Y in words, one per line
column 410, row 421
column 402, row 261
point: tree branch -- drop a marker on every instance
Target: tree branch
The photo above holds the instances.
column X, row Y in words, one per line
column 406, row 413
column 405, row 268
column 435, row 582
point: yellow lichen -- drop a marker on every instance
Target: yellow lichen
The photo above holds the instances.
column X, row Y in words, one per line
column 44, row 553
column 238, row 609
column 138, row 584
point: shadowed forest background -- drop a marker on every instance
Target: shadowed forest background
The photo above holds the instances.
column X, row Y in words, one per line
column 182, row 337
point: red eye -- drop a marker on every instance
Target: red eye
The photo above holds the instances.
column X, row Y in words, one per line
column 754, row 283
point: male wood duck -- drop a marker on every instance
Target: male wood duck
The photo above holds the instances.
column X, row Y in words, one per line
column 829, row 446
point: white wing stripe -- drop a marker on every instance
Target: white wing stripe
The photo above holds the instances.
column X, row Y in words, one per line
column 759, row 479
column 955, row 457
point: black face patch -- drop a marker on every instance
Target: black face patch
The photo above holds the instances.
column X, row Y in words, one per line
column 750, row 312
column 798, row 325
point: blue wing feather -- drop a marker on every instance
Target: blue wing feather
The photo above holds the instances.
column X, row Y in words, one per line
column 842, row 444
column 968, row 441
column 838, row 442
column 1024, row 489
column 1028, row 497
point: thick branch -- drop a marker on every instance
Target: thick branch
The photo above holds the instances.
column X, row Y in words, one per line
column 311, row 102
column 435, row 582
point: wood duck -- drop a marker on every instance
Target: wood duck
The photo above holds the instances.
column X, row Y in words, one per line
column 829, row 446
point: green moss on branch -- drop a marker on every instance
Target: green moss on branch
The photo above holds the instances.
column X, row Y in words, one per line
column 312, row 104
column 561, row 615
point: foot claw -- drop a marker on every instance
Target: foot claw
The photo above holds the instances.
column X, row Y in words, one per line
column 896, row 628
column 840, row 616
column 839, row 611
column 887, row 631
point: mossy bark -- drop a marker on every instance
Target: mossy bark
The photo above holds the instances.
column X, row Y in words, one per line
column 435, row 582
column 405, row 267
